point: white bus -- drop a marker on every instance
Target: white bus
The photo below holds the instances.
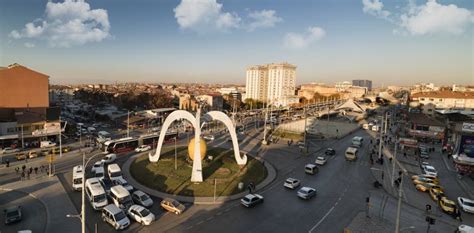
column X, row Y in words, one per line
column 77, row 175
column 121, row 197
column 96, row 193
column 351, row 153
column 103, row 136
column 114, row 172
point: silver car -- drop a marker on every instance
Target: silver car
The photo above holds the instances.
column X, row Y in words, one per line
column 291, row 183
column 142, row 198
column 306, row 193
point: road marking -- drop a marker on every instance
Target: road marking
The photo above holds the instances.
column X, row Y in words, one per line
column 322, row 219
column 200, row 222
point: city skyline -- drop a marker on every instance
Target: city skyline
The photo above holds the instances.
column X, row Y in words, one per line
column 210, row 41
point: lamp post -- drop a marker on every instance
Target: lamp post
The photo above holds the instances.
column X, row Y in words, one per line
column 82, row 216
column 128, row 123
column 60, row 141
column 175, row 156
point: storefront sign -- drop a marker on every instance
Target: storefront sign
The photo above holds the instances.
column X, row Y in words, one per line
column 468, row 127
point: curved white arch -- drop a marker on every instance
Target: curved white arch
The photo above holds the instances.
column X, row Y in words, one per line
column 174, row 116
column 220, row 116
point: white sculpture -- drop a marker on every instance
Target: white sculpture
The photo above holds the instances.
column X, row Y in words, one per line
column 196, row 175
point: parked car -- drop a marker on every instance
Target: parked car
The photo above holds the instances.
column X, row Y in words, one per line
column 251, row 200
column 414, row 177
column 311, row 169
column 464, row 229
column 424, row 187
column 320, row 160
column 424, row 180
column 9, row 150
column 143, row 148
column 107, row 184
column 330, row 151
column 110, row 158
column 306, row 193
column 291, row 183
column 114, row 216
column 423, row 164
column 466, row 205
column 172, row 205
column 435, row 192
column 424, row 155
column 141, row 214
column 430, row 170
column 447, row 205
column 12, row 214
column 123, row 182
column 32, row 154
column 97, row 165
column 21, row 155
column 209, row 137
column 142, row 198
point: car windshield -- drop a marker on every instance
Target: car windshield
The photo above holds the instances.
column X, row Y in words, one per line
column 430, row 170
column 451, row 205
column 119, row 216
column 115, row 174
column 100, row 198
column 78, row 181
column 471, row 204
column 144, row 197
column 12, row 214
column 144, row 212
column 246, row 199
column 175, row 203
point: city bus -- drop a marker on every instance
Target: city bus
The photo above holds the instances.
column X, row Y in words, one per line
column 129, row 144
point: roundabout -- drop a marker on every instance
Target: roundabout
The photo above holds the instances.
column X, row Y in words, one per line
column 221, row 173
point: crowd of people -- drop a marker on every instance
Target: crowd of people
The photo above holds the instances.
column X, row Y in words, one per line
column 25, row 172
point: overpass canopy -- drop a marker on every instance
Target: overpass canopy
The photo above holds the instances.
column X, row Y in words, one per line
column 351, row 105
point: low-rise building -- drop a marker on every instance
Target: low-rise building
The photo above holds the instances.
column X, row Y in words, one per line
column 443, row 100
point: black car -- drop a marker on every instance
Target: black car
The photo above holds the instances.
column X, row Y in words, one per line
column 330, row 151
column 12, row 214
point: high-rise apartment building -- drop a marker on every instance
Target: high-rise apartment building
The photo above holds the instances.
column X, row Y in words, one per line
column 271, row 83
column 363, row 83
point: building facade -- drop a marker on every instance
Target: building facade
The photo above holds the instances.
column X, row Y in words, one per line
column 363, row 83
column 271, row 82
column 445, row 100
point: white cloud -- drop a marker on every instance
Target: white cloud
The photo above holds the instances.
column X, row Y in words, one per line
column 29, row 45
column 432, row 18
column 68, row 23
column 299, row 41
column 375, row 7
column 204, row 15
column 263, row 19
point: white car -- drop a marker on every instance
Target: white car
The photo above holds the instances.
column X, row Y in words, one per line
column 142, row 198
column 466, row 204
column 306, row 193
column 8, row 150
column 141, row 214
column 110, row 158
column 123, row 182
column 430, row 170
column 291, row 183
column 209, row 137
column 142, row 148
column 96, row 166
column 320, row 160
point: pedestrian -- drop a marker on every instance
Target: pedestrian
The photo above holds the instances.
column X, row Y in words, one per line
column 31, row 170
column 17, row 169
column 382, row 175
column 41, row 168
column 390, row 159
column 458, row 214
column 23, row 168
column 405, row 154
column 28, row 175
column 8, row 162
column 36, row 170
column 22, row 175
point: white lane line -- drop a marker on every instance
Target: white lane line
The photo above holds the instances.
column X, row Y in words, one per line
column 322, row 219
column 200, row 222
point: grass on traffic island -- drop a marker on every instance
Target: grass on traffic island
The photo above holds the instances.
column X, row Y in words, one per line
column 288, row 135
column 223, row 169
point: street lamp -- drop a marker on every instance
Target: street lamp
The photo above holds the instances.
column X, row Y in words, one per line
column 82, row 216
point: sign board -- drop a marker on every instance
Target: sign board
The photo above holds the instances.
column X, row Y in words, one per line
column 468, row 127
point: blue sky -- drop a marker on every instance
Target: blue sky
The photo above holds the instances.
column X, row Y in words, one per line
column 390, row 42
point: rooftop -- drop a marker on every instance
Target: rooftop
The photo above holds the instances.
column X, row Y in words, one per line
column 445, row 94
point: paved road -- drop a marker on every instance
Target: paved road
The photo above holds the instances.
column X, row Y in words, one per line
column 34, row 213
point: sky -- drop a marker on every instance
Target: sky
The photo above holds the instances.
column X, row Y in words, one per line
column 391, row 42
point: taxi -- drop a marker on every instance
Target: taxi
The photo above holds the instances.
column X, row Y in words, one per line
column 422, row 180
column 447, row 205
column 414, row 177
column 425, row 187
column 435, row 192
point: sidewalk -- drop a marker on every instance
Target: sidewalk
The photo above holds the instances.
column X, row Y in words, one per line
column 271, row 175
column 51, row 193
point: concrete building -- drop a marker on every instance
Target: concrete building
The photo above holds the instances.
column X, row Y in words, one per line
column 343, row 86
column 25, row 115
column 308, row 90
column 363, row 83
column 442, row 100
column 18, row 84
column 214, row 101
column 271, row 82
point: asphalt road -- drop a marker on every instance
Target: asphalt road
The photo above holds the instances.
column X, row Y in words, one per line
column 33, row 212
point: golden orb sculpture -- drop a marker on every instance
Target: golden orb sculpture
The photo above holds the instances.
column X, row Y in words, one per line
column 202, row 145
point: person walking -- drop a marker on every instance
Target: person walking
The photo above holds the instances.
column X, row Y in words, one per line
column 17, row 169
column 23, row 168
column 36, row 170
column 382, row 175
column 22, row 175
column 8, row 162
column 31, row 170
column 28, row 175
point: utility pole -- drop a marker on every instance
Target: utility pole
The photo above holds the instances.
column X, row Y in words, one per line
column 83, row 207
column 128, row 123
column 265, row 125
column 175, row 156
column 393, row 163
column 380, row 139
column 305, row 124
column 60, row 140
column 397, row 225
column 22, row 138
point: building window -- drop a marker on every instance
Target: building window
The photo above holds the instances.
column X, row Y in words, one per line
column 431, row 99
column 422, row 99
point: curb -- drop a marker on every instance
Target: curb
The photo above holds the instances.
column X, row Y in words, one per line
column 33, row 196
column 271, row 175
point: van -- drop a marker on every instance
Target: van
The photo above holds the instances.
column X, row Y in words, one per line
column 114, row 171
column 45, row 144
column 114, row 216
column 77, row 175
column 121, row 197
column 96, row 193
column 110, row 158
column 311, row 169
column 351, row 153
column 99, row 172
column 357, row 141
